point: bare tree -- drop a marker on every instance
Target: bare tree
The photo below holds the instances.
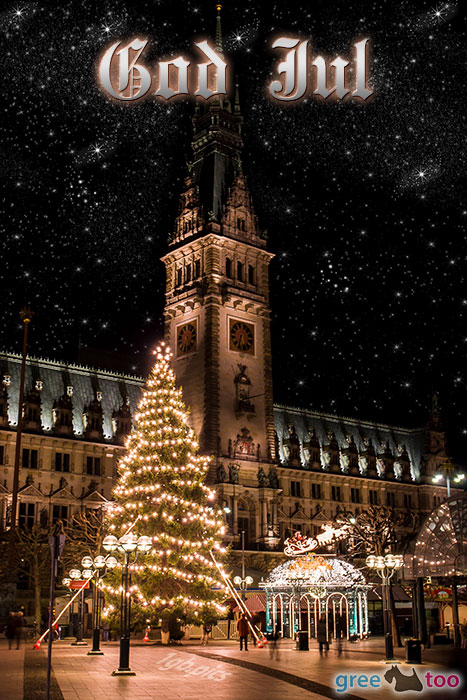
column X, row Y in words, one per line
column 85, row 532
column 378, row 530
column 33, row 561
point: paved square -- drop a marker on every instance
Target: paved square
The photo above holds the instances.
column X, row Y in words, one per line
column 216, row 672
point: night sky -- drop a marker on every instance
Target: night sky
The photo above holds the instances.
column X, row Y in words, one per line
column 364, row 204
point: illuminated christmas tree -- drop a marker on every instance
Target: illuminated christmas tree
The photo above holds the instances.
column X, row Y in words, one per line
column 161, row 493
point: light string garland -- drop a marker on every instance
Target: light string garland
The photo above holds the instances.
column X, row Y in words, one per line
column 162, row 481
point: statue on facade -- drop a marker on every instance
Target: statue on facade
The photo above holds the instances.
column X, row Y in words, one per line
column 291, row 446
column 242, row 389
column 233, row 473
column 273, row 479
column 263, row 481
column 221, row 474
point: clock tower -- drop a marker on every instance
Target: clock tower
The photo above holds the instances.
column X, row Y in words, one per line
column 217, row 297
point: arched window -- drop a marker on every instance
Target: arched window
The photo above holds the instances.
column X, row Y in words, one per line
column 188, row 273
column 241, row 224
column 251, row 274
column 179, row 277
column 228, row 267
column 197, row 269
column 240, row 271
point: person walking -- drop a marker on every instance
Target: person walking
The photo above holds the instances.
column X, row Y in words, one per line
column 242, row 628
column 322, row 636
column 340, row 631
column 19, row 622
column 273, row 644
column 205, row 635
column 10, row 629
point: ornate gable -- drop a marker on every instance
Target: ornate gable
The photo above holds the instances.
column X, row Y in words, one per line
column 95, row 498
column 30, row 491
column 64, row 493
column 239, row 219
column 190, row 219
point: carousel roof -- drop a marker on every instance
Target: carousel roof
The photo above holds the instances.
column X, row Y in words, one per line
column 315, row 570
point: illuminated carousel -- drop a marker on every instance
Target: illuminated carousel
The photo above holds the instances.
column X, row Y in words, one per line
column 300, row 590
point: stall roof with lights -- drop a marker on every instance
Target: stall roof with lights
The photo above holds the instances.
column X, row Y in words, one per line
column 312, row 570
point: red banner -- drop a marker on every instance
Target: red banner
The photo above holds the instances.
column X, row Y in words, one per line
column 78, row 584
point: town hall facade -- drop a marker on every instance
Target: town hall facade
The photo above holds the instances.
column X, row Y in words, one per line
column 276, row 468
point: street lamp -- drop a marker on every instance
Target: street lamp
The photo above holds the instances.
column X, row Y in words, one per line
column 127, row 544
column 78, row 575
column 242, row 580
column 385, row 567
column 100, row 565
column 448, row 471
column 243, row 583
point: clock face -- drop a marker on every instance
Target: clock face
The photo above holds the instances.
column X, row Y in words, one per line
column 186, row 338
column 242, row 336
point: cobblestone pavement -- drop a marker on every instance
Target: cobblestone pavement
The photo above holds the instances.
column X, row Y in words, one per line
column 216, row 672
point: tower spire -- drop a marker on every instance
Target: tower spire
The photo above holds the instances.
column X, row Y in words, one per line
column 218, row 28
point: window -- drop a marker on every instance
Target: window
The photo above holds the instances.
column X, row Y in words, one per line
column 188, row 273
column 355, row 495
column 336, row 493
column 93, row 466
column 228, row 267
column 59, row 513
column 390, row 499
column 179, row 277
column 251, row 274
column 29, row 459
column 26, row 515
column 316, row 490
column 32, row 414
column 407, row 500
column 2, row 454
column 295, row 488
column 240, row 271
column 62, row 462
column 241, row 224
column 197, row 269
column 374, row 500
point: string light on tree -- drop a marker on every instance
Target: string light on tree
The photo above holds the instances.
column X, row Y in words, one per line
column 161, row 490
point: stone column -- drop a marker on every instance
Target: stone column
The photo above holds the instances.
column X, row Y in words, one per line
column 235, row 515
column 264, row 526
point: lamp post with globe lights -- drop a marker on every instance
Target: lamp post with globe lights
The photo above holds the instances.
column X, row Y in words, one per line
column 448, row 471
column 77, row 575
column 386, row 567
column 100, row 565
column 127, row 544
column 243, row 583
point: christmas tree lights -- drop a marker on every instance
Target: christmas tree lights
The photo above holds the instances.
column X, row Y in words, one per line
column 161, row 492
